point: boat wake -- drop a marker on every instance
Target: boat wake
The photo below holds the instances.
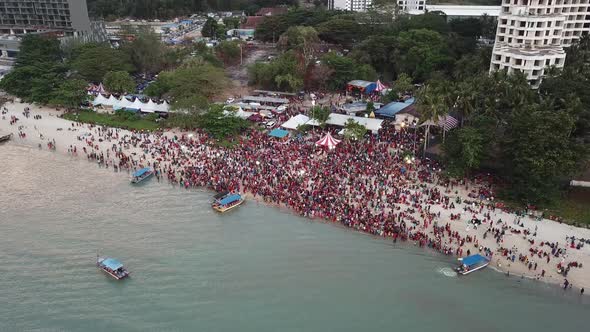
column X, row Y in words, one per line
column 447, row 272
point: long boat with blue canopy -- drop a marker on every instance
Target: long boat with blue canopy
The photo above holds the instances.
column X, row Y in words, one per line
column 472, row 263
column 141, row 175
column 112, row 267
column 227, row 201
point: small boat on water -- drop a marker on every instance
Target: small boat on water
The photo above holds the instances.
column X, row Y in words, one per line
column 5, row 138
column 112, row 267
column 226, row 201
column 141, row 175
column 472, row 263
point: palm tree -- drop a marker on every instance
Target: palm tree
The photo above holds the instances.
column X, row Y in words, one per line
column 466, row 98
column 432, row 105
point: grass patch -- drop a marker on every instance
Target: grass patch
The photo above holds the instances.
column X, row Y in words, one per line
column 121, row 119
column 574, row 208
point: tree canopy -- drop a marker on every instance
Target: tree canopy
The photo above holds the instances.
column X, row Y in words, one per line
column 119, row 82
column 84, row 61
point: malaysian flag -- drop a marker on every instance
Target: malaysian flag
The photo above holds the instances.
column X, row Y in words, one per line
column 448, row 122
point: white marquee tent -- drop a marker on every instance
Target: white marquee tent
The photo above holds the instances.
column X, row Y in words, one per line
column 336, row 119
column 295, row 121
column 149, row 107
column 100, row 100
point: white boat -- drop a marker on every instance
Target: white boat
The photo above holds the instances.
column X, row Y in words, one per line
column 141, row 175
column 112, row 267
column 472, row 263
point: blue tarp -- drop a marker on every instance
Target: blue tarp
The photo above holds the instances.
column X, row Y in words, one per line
column 366, row 86
column 279, row 133
column 141, row 172
column 230, row 199
column 391, row 109
column 473, row 259
column 112, row 264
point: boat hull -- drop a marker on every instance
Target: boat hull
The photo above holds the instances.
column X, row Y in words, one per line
column 139, row 180
column 114, row 276
column 463, row 273
column 5, row 138
column 222, row 209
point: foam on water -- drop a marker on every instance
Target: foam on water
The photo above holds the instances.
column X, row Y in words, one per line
column 447, row 272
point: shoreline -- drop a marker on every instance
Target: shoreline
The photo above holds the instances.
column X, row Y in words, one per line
column 550, row 230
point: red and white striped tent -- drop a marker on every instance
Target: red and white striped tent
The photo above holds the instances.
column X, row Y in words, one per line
column 328, row 141
column 379, row 86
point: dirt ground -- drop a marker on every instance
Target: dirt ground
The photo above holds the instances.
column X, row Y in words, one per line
column 238, row 74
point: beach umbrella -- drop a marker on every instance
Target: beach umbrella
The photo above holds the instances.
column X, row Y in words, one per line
column 328, row 141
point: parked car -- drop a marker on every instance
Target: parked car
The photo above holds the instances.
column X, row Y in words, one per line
column 270, row 124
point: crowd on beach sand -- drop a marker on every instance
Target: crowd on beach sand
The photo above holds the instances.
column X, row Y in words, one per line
column 367, row 185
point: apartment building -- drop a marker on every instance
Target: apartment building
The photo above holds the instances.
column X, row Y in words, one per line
column 532, row 34
column 351, row 5
column 412, row 6
column 22, row 16
column 66, row 19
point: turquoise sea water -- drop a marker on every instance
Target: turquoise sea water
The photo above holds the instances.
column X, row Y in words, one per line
column 254, row 269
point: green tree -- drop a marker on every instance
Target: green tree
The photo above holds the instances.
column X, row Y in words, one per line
column 539, row 150
column 93, row 61
column 228, row 51
column 302, row 39
column 147, row 52
column 464, row 151
column 401, row 86
column 191, row 85
column 221, row 123
column 432, row 107
column 70, row 94
column 285, row 72
column 38, row 70
column 421, row 52
column 320, row 114
column 119, row 82
column 353, row 130
column 210, row 28
column 344, row 69
column 341, row 31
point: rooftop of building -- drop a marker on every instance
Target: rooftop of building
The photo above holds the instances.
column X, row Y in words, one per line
column 269, row 11
column 457, row 10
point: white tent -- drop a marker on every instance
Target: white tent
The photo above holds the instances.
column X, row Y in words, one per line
column 163, row 107
column 113, row 101
column 100, row 100
column 137, row 104
column 336, row 119
column 150, row 106
column 125, row 103
column 295, row 121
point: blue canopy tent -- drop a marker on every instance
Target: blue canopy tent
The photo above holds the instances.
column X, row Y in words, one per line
column 365, row 87
column 473, row 259
column 278, row 133
column 230, row 199
column 112, row 264
column 141, row 172
column 391, row 109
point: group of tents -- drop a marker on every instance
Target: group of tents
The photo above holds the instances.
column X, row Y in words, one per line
column 130, row 103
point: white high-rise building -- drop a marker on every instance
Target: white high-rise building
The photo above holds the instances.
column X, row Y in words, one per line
column 411, row 5
column 532, row 34
column 352, row 5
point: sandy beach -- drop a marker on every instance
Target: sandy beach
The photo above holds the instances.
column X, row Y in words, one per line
column 66, row 135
